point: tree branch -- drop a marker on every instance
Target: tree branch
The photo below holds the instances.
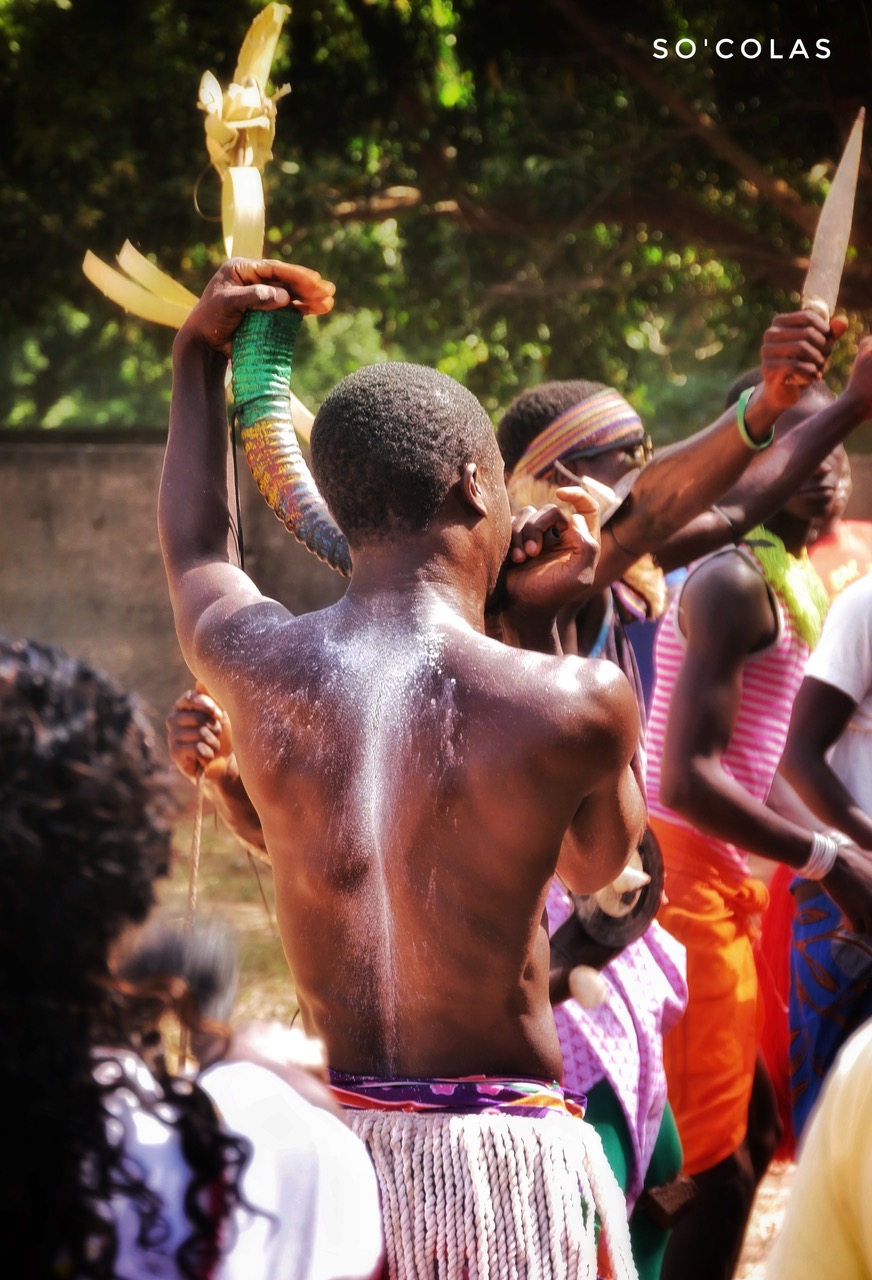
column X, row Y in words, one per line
column 776, row 191
column 680, row 218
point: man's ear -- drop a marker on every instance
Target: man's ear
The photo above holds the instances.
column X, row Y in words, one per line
column 470, row 490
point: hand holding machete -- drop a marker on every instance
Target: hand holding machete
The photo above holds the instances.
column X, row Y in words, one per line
column 820, row 292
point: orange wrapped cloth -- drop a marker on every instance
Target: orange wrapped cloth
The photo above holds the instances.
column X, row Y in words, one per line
column 711, row 1053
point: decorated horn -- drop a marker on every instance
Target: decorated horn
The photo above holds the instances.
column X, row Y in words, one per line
column 620, row 913
column 263, row 348
column 603, row 923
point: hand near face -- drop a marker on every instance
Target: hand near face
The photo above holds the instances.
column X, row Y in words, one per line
column 553, row 556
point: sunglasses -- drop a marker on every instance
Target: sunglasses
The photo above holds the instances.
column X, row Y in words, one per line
column 637, row 454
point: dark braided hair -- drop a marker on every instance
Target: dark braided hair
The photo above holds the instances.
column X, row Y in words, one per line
column 535, row 409
column 84, row 834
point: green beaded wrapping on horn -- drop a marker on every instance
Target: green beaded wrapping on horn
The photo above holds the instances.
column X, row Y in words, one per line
column 263, row 350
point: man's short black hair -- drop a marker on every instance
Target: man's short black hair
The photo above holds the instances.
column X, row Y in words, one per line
column 750, row 378
column 533, row 410
column 753, row 377
column 389, row 442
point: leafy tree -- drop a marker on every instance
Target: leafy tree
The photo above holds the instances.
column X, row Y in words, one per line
column 509, row 191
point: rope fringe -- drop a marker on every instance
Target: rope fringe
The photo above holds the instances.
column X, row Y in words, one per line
column 489, row 1197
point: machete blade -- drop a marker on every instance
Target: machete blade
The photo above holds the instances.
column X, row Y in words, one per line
column 826, row 264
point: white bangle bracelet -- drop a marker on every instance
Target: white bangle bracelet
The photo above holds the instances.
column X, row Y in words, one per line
column 824, row 851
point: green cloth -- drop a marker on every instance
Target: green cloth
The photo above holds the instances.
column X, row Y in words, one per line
column 605, row 1114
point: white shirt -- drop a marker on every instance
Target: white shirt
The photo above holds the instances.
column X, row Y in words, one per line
column 309, row 1175
column 308, row 1170
column 843, row 659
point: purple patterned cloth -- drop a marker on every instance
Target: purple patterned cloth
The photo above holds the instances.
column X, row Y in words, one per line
column 462, row 1095
column 621, row 1040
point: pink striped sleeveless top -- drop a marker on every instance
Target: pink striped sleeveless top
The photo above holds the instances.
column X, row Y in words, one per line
column 770, row 680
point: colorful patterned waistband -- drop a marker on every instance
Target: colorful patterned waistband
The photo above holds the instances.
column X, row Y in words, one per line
column 462, row 1095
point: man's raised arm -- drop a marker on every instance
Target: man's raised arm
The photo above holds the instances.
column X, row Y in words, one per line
column 610, row 822
column 685, row 479
column 775, row 475
column 194, row 519
column 549, row 568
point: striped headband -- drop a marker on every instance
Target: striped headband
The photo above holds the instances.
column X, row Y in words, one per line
column 602, row 421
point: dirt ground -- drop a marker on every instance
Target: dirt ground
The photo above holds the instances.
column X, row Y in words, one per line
column 236, row 890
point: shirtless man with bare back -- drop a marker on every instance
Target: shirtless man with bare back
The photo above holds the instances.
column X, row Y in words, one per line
column 418, row 783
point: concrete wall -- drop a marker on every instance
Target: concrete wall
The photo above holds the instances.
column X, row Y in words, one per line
column 80, row 560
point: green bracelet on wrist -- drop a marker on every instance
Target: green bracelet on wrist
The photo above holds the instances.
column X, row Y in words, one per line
column 757, row 446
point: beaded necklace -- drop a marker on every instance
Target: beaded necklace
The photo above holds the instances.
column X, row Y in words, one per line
column 794, row 578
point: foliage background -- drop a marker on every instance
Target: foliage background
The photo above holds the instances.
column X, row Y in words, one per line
column 511, row 191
